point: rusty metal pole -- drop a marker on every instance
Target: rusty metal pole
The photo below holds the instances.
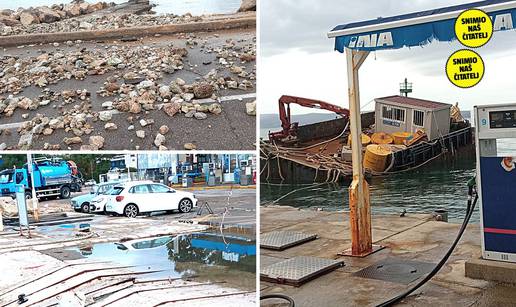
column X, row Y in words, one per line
column 360, row 212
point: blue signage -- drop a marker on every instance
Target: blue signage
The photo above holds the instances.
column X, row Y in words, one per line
column 416, row 32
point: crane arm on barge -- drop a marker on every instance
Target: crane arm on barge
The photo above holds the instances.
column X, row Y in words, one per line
column 289, row 129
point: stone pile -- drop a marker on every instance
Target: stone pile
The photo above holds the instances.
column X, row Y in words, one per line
column 46, row 15
column 92, row 22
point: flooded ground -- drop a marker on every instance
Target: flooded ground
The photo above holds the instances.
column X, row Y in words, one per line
column 205, row 255
column 178, row 7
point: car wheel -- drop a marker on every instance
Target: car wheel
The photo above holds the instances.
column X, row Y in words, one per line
column 65, row 192
column 85, row 208
column 185, row 205
column 131, row 210
column 28, row 195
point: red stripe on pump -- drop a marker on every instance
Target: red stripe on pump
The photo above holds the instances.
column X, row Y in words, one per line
column 502, row 231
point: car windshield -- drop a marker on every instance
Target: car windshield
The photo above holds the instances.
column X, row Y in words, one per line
column 115, row 191
column 151, row 243
column 6, row 177
column 103, row 189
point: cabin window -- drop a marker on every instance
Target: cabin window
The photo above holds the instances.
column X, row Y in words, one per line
column 393, row 113
column 419, row 118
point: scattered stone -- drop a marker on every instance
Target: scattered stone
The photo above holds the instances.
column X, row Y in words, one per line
column 146, row 122
column 164, row 129
column 165, row 92
column 107, row 104
column 247, row 5
column 72, row 140
column 171, row 108
column 140, row 134
column 190, row 146
column 110, row 126
column 105, row 116
column 215, row 108
column 203, row 90
column 159, row 140
column 250, row 108
column 27, row 19
column 200, row 115
column 3, row 146
column 97, row 141
column 25, row 140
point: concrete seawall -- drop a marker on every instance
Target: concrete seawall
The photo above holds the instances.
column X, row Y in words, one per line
column 247, row 21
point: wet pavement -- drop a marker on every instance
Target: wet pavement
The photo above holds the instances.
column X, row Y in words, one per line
column 232, row 129
column 415, row 237
column 147, row 259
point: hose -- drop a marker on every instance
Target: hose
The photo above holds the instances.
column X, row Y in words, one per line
column 469, row 211
column 278, row 296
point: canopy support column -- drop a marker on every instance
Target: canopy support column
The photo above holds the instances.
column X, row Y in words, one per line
column 360, row 211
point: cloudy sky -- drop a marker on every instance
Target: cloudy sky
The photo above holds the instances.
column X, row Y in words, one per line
column 298, row 59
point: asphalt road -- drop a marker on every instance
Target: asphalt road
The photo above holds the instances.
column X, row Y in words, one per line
column 231, row 130
column 241, row 207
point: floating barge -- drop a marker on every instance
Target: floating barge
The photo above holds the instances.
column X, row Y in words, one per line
column 320, row 152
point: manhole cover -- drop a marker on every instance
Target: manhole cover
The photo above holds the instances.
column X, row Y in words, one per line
column 298, row 270
column 396, row 270
column 280, row 240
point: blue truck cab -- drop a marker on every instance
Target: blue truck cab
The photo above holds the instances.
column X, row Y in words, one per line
column 9, row 178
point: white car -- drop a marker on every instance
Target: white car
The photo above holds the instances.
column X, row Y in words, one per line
column 133, row 198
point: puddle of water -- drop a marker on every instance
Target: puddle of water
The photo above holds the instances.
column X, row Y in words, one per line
column 200, row 254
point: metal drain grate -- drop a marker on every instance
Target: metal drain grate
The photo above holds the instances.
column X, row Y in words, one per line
column 396, row 270
column 298, row 270
column 280, row 240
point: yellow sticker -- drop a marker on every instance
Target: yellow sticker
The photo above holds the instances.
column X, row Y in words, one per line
column 465, row 68
column 473, row 28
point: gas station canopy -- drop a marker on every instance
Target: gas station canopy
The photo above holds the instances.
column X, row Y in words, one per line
column 417, row 29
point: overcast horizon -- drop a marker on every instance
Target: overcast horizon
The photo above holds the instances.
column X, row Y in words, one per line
column 298, row 59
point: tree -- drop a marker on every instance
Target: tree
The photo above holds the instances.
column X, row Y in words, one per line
column 9, row 160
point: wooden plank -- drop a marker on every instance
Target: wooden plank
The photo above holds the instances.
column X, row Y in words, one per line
column 58, row 278
column 47, row 274
column 49, row 279
column 237, row 300
column 76, row 281
column 119, row 297
column 188, row 297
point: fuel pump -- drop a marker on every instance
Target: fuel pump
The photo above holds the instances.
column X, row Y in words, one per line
column 496, row 180
column 209, row 173
column 245, row 173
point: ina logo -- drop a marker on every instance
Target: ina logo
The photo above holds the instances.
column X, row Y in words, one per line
column 509, row 163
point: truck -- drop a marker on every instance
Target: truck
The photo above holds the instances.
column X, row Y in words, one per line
column 53, row 177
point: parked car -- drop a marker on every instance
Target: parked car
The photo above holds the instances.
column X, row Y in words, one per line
column 144, row 244
column 82, row 203
column 90, row 182
column 133, row 198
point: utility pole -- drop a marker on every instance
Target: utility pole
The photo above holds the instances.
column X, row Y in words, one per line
column 30, row 170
